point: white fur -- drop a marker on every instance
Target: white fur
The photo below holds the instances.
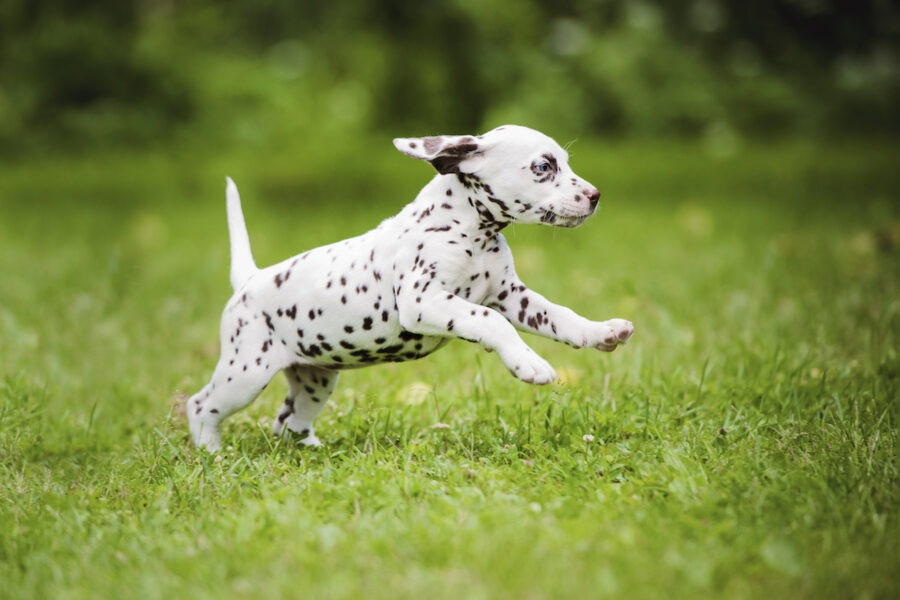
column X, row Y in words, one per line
column 242, row 265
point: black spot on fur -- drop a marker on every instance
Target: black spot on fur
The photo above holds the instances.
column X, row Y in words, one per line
column 390, row 349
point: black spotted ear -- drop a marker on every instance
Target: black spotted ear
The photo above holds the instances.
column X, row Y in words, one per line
column 444, row 152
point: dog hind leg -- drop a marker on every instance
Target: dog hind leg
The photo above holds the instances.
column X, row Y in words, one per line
column 308, row 393
column 230, row 389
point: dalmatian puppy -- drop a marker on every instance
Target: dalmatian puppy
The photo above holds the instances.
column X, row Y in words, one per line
column 438, row 270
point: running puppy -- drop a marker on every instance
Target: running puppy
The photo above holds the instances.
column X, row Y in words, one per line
column 440, row 269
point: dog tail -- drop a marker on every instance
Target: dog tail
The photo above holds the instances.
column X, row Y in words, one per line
column 242, row 265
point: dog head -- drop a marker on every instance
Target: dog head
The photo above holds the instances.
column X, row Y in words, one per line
column 522, row 172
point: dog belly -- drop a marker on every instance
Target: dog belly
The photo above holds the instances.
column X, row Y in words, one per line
column 342, row 326
column 337, row 349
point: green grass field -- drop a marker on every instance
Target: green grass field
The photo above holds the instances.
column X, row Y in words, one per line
column 744, row 443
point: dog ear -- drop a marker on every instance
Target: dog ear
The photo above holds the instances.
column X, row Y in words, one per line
column 444, row 152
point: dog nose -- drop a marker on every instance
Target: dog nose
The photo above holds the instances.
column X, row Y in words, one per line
column 593, row 196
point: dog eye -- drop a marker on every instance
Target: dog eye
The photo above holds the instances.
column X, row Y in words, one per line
column 543, row 167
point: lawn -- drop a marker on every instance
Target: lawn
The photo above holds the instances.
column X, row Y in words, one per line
column 744, row 443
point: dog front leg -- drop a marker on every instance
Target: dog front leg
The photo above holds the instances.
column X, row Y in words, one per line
column 529, row 311
column 441, row 313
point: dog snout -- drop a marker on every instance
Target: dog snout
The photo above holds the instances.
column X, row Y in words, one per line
column 593, row 196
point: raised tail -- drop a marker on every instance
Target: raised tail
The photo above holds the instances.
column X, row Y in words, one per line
column 242, row 265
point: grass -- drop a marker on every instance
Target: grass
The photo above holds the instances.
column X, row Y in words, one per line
column 744, row 444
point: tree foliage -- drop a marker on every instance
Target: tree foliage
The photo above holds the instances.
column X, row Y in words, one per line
column 115, row 71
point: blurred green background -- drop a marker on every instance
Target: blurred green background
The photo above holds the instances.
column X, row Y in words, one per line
column 76, row 74
column 745, row 441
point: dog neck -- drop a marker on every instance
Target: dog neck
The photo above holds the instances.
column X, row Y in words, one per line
column 460, row 202
column 489, row 214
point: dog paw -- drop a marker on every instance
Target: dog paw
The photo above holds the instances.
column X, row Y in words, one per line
column 209, row 439
column 531, row 368
column 204, row 434
column 622, row 329
column 302, row 430
column 608, row 335
column 311, row 440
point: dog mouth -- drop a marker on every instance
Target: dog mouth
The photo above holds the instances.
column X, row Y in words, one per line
column 568, row 221
column 571, row 221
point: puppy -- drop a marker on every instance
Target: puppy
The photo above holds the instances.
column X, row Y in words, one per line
column 440, row 269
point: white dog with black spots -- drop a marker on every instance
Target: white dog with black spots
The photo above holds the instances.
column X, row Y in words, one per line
column 438, row 270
